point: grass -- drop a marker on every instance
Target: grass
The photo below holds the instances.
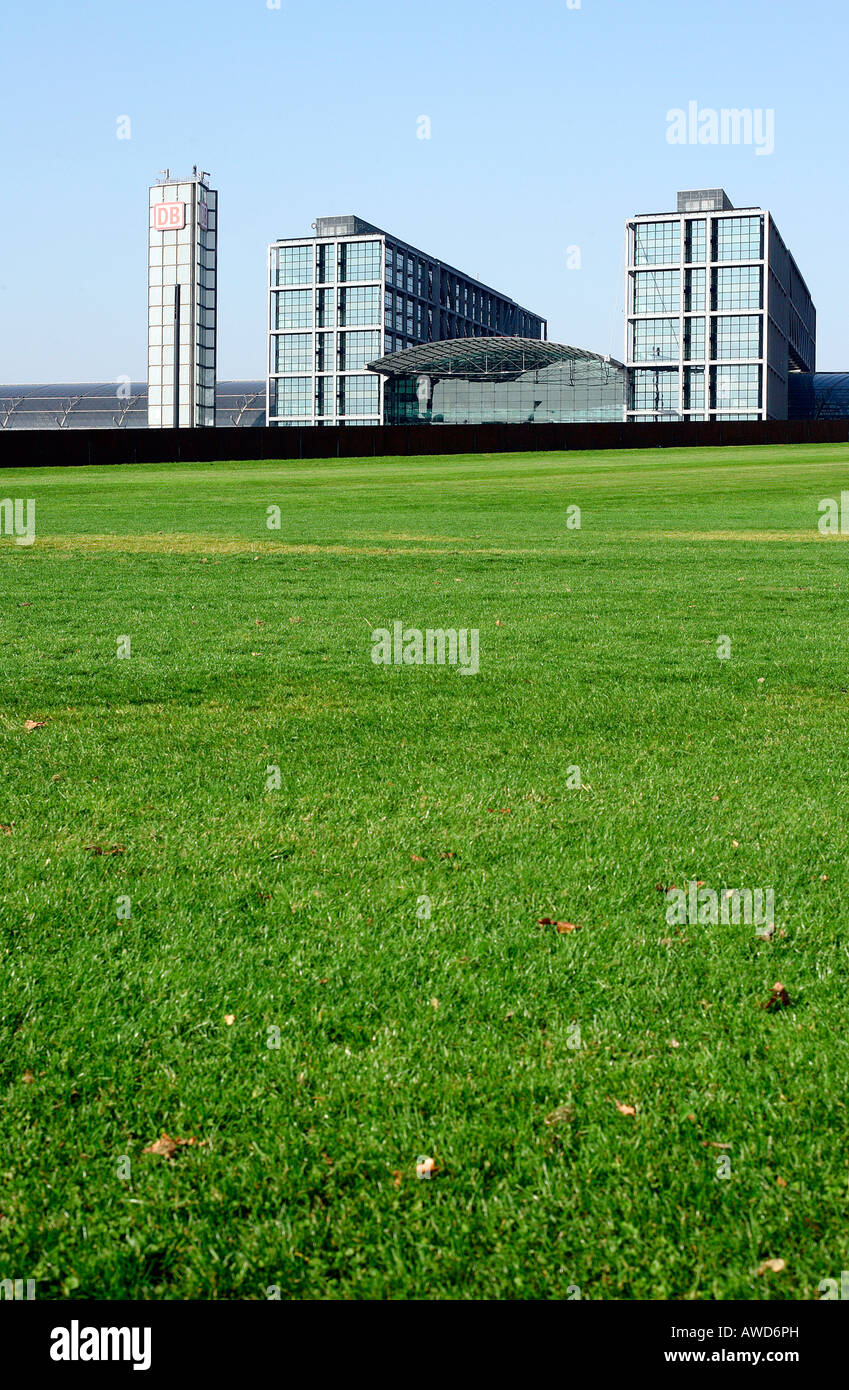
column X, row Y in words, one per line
column 476, row 1036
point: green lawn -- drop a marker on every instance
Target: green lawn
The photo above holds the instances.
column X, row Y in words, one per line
column 476, row 1036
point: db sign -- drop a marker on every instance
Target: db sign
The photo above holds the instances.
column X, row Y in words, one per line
column 169, row 217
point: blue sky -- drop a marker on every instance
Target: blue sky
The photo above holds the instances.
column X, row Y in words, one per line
column 548, row 129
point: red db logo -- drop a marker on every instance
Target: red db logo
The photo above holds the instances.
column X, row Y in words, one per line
column 169, row 217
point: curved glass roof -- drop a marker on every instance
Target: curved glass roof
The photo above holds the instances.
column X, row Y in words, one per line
column 480, row 358
column 87, row 405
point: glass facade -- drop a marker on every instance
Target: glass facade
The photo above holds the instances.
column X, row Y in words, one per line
column 745, row 324
column 657, row 291
column 567, row 387
column 736, row 387
column 738, row 238
column 736, row 336
column 657, row 243
column 340, row 299
column 655, row 340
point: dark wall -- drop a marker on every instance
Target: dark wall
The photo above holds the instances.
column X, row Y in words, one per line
column 49, row 448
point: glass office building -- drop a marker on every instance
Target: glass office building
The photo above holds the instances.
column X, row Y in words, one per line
column 499, row 380
column 718, row 315
column 182, row 301
column 351, row 294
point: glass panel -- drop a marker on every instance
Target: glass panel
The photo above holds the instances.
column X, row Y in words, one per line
column 294, row 309
column 738, row 238
column 359, row 260
column 737, row 335
column 294, row 352
column 737, row 287
column 657, row 291
column 655, row 339
column 657, row 243
column 294, row 265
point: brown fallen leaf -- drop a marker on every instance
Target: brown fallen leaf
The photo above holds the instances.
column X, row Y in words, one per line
column 28, row 1078
column 229, row 1019
column 782, row 1182
column 715, row 1144
column 7, row 829
column 396, row 1178
column 166, row 1147
column 624, row 1109
column 775, row 1266
column 417, row 858
column 564, row 927
column 778, row 999
column 31, row 724
column 426, row 1167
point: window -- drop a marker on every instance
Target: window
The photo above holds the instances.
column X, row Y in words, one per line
column 657, row 243
column 358, row 395
column 291, row 395
column 655, row 390
column 657, row 291
column 694, row 340
column 294, row 351
column 737, row 287
column 694, row 291
column 324, row 308
column 357, row 349
column 326, row 263
column 737, row 335
column 324, row 352
column 324, row 395
column 294, row 308
column 736, row 387
column 359, row 260
column 695, row 240
column 655, row 339
column 694, row 388
column 360, row 305
column 294, row 265
column 738, row 238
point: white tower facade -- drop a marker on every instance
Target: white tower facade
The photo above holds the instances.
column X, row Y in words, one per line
column 182, row 297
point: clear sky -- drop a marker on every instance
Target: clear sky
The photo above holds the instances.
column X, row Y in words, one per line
column 548, row 124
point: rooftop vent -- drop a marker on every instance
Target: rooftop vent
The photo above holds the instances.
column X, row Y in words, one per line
column 705, row 200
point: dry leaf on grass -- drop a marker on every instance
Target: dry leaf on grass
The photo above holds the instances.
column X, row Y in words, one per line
column 166, row 1147
column 229, row 1019
column 31, row 724
column 426, row 1167
column 775, row 1266
column 562, row 927
column 779, row 998
column 28, row 1078
column 7, row 829
column 417, row 858
column 624, row 1109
